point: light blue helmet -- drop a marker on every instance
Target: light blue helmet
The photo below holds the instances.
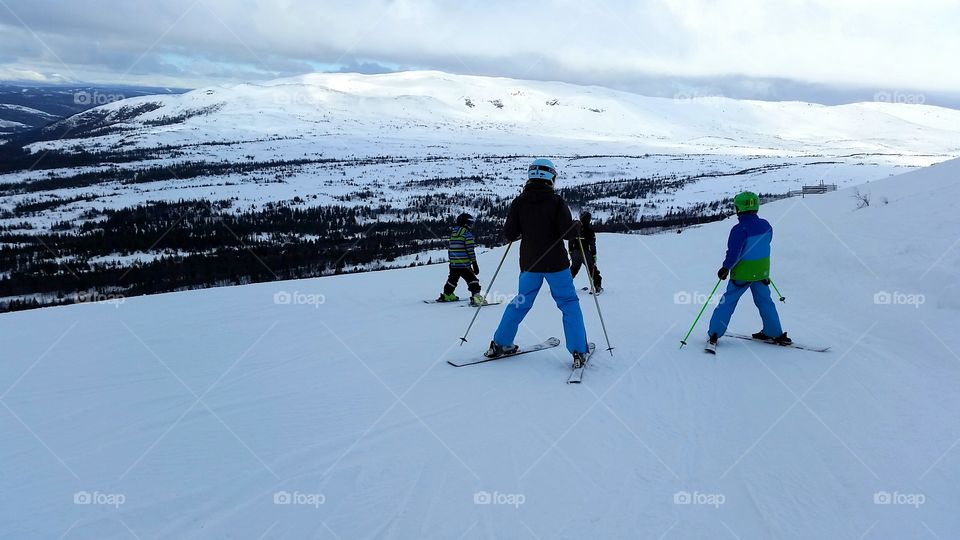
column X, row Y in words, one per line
column 542, row 169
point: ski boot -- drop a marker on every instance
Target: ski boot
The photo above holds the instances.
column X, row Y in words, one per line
column 760, row 336
column 448, row 297
column 496, row 350
column 711, row 346
column 782, row 339
column 579, row 360
column 477, row 300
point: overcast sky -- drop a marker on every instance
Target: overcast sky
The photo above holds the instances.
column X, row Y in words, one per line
column 819, row 50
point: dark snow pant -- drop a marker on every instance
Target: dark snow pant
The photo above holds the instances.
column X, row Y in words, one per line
column 577, row 260
column 467, row 274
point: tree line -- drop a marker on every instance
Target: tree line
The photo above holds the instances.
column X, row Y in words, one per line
column 196, row 243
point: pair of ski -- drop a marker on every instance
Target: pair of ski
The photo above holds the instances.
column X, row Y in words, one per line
column 576, row 376
column 712, row 349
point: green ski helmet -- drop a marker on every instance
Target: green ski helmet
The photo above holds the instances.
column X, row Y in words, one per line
column 746, row 202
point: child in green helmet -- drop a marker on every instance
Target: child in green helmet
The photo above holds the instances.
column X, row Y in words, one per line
column 747, row 263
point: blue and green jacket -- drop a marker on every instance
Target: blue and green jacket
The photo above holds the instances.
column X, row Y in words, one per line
column 461, row 248
column 748, row 248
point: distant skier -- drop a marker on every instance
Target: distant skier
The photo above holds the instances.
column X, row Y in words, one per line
column 541, row 220
column 748, row 265
column 588, row 238
column 463, row 262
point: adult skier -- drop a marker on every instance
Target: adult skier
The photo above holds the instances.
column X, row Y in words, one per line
column 588, row 239
column 541, row 220
column 747, row 263
column 463, row 262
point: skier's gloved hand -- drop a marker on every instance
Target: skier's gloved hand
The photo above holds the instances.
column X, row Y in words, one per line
column 595, row 259
column 723, row 273
column 476, row 267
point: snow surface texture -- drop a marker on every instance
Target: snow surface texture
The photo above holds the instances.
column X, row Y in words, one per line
column 324, row 408
column 435, row 125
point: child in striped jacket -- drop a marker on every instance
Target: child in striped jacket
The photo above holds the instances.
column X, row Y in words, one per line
column 463, row 262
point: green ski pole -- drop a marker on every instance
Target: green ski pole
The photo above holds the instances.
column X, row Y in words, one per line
column 695, row 321
column 782, row 297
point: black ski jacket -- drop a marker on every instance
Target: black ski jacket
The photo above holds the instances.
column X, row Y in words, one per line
column 589, row 238
column 541, row 219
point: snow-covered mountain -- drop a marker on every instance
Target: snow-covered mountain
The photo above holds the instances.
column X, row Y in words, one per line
column 26, row 106
column 315, row 162
column 382, row 140
column 401, row 112
column 323, row 408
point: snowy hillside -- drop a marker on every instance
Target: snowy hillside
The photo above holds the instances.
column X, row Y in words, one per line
column 323, row 408
column 26, row 106
column 384, row 140
column 331, row 173
column 482, row 115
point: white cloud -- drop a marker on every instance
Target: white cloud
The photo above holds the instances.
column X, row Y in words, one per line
column 13, row 73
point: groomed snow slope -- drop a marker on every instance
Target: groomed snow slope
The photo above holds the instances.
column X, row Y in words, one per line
column 200, row 408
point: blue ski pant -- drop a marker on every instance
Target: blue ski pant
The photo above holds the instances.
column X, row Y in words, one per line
column 761, row 297
column 564, row 294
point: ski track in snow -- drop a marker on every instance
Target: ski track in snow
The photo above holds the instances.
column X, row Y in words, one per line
column 199, row 407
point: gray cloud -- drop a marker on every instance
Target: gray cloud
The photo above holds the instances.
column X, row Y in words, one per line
column 810, row 49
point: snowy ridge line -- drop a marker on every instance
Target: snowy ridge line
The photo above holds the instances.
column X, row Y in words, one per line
column 487, row 110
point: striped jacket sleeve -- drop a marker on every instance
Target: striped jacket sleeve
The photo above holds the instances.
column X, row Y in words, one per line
column 471, row 245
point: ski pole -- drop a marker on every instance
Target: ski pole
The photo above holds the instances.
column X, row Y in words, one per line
column 782, row 297
column 695, row 321
column 593, row 291
column 494, row 278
